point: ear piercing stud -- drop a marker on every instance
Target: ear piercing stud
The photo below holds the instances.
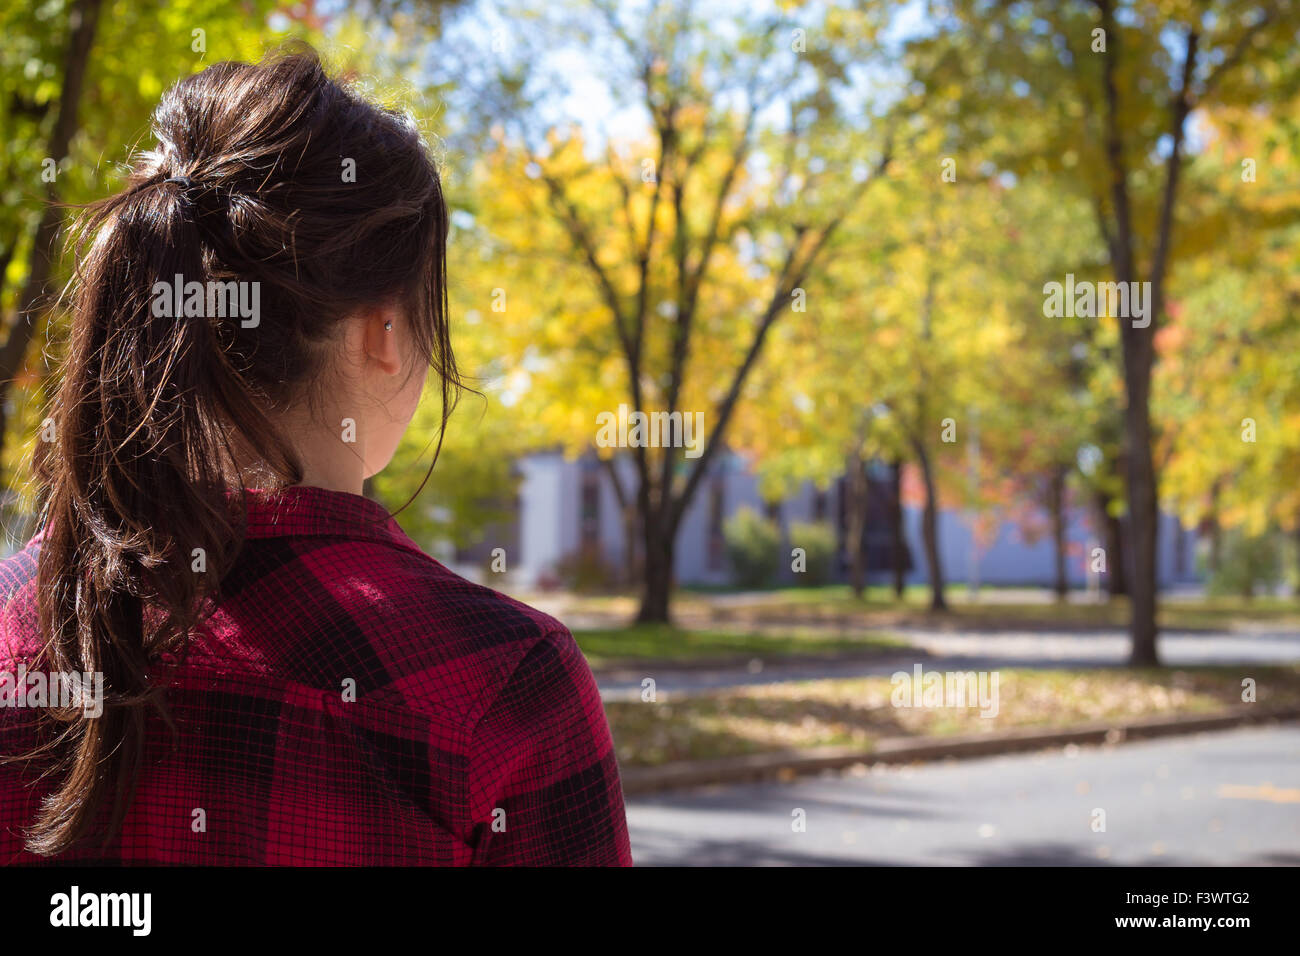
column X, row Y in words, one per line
column 388, row 326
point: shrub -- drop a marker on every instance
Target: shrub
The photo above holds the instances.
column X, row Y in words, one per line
column 753, row 547
column 587, row 572
column 818, row 543
column 1247, row 563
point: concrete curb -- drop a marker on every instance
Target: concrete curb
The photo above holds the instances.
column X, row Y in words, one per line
column 895, row 750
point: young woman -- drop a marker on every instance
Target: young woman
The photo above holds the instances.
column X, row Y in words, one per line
column 216, row 651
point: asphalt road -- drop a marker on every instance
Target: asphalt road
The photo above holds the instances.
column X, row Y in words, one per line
column 1222, row 798
column 981, row 650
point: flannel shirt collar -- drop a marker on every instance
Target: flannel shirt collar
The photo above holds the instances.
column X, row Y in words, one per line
column 307, row 510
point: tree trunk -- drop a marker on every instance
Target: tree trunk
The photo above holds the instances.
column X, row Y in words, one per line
column 657, row 580
column 1143, row 515
column 855, row 502
column 1117, row 567
column 1113, row 529
column 898, row 544
column 1296, row 591
column 1137, row 341
column 1216, row 537
column 1056, row 507
column 6, row 257
column 84, row 19
column 930, row 531
column 628, row 515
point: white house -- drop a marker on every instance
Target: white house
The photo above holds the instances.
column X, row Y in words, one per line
column 567, row 508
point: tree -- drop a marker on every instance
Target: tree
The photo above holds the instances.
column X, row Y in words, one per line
column 678, row 253
column 83, row 22
column 901, row 347
column 1115, row 83
column 1229, row 354
column 78, row 81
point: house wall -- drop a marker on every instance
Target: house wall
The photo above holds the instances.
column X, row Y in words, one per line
column 548, row 527
column 550, row 503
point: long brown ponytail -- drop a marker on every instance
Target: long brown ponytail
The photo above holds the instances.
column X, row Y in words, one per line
column 248, row 183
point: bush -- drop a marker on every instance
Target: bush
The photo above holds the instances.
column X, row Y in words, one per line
column 1247, row 564
column 818, row 543
column 587, row 572
column 753, row 547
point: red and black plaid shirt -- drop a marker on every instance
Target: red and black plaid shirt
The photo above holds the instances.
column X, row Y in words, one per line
column 476, row 735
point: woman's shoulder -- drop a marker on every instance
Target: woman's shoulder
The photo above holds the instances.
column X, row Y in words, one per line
column 19, row 634
column 468, row 628
column 395, row 622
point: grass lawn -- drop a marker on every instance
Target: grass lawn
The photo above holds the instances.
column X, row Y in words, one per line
column 638, row 643
column 995, row 608
column 859, row 711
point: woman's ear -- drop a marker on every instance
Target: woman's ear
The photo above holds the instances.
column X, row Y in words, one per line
column 381, row 326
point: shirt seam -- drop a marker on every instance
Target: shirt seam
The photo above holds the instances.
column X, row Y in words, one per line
column 496, row 688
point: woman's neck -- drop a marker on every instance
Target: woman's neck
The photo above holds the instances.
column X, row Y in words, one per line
column 327, row 458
